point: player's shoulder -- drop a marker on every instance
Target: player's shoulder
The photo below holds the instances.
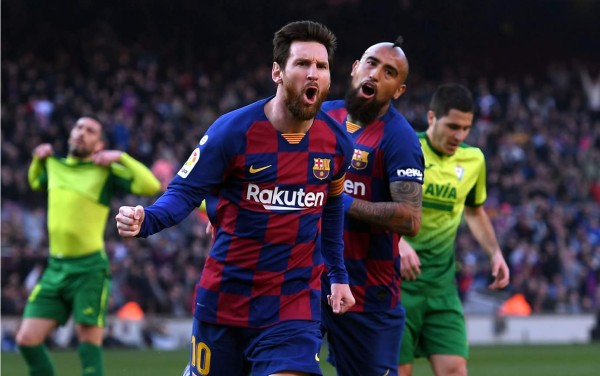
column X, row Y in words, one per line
column 398, row 129
column 470, row 151
column 335, row 126
column 333, row 105
column 394, row 120
column 231, row 128
column 240, row 119
column 336, row 109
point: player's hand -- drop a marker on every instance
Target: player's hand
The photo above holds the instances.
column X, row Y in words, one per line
column 210, row 231
column 43, row 151
column 106, row 157
column 410, row 264
column 129, row 220
column 500, row 271
column 341, row 298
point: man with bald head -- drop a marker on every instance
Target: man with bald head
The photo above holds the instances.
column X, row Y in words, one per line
column 382, row 202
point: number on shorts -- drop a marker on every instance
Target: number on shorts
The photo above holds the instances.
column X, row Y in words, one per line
column 200, row 356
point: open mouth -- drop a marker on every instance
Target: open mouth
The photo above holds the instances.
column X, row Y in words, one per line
column 368, row 89
column 311, row 94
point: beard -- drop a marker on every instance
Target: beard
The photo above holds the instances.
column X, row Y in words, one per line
column 294, row 102
column 79, row 152
column 360, row 109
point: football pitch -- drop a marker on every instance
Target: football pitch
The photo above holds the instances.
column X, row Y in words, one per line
column 531, row 360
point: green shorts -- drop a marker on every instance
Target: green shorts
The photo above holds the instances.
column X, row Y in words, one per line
column 434, row 325
column 61, row 292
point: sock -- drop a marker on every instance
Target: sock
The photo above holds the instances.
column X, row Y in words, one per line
column 92, row 359
column 38, row 360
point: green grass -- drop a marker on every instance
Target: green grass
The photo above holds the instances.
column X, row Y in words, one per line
column 563, row 360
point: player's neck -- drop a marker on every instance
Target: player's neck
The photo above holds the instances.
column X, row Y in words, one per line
column 282, row 120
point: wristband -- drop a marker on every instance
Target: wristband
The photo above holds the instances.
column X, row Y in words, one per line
column 348, row 200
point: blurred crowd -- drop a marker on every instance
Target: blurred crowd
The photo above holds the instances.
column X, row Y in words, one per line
column 539, row 130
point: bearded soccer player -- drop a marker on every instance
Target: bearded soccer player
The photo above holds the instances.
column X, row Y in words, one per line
column 435, row 324
column 276, row 170
column 382, row 201
column 77, row 279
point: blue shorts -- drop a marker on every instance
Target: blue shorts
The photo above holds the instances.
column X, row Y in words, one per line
column 228, row 350
column 364, row 343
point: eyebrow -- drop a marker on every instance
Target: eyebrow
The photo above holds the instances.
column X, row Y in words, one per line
column 391, row 67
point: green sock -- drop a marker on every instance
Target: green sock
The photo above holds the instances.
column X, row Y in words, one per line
column 92, row 359
column 38, row 360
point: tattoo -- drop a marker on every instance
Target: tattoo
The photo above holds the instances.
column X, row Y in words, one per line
column 402, row 216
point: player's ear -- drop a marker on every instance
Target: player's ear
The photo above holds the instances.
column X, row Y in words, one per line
column 430, row 118
column 354, row 66
column 399, row 91
column 277, row 73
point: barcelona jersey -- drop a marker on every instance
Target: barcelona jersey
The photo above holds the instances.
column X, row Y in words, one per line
column 385, row 151
column 275, row 201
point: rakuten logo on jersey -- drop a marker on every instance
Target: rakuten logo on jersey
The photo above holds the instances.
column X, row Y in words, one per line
column 284, row 199
column 411, row 172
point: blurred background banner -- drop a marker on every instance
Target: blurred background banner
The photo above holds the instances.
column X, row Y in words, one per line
column 157, row 73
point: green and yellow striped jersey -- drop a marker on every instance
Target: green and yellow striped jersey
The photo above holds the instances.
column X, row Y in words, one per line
column 450, row 183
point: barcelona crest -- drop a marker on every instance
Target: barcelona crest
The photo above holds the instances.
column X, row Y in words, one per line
column 360, row 159
column 321, row 168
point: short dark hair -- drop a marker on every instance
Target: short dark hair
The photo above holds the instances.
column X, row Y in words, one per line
column 303, row 31
column 451, row 96
column 103, row 134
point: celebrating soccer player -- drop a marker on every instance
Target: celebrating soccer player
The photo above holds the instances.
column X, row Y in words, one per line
column 276, row 170
column 382, row 200
column 77, row 279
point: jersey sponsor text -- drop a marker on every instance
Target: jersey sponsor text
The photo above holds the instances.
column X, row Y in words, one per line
column 284, row 199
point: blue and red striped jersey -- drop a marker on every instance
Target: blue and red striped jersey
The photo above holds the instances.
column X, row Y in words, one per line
column 386, row 150
column 275, row 201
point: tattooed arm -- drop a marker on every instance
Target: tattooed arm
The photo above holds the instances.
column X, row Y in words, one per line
column 402, row 216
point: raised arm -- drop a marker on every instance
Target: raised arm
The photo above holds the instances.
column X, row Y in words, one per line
column 37, row 171
column 143, row 181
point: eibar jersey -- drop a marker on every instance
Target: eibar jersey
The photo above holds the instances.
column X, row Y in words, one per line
column 79, row 195
column 266, row 192
column 451, row 182
column 385, row 151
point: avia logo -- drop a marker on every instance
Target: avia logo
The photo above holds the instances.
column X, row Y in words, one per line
column 441, row 190
column 284, row 199
column 411, row 172
column 255, row 170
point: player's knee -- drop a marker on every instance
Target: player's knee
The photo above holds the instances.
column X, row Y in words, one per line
column 28, row 338
column 90, row 334
column 456, row 368
column 405, row 370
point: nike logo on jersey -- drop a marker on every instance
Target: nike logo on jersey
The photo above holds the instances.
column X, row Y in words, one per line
column 430, row 165
column 255, row 170
column 317, row 357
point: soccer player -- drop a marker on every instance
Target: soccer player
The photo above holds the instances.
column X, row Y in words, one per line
column 382, row 201
column 77, row 279
column 276, row 170
column 454, row 182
